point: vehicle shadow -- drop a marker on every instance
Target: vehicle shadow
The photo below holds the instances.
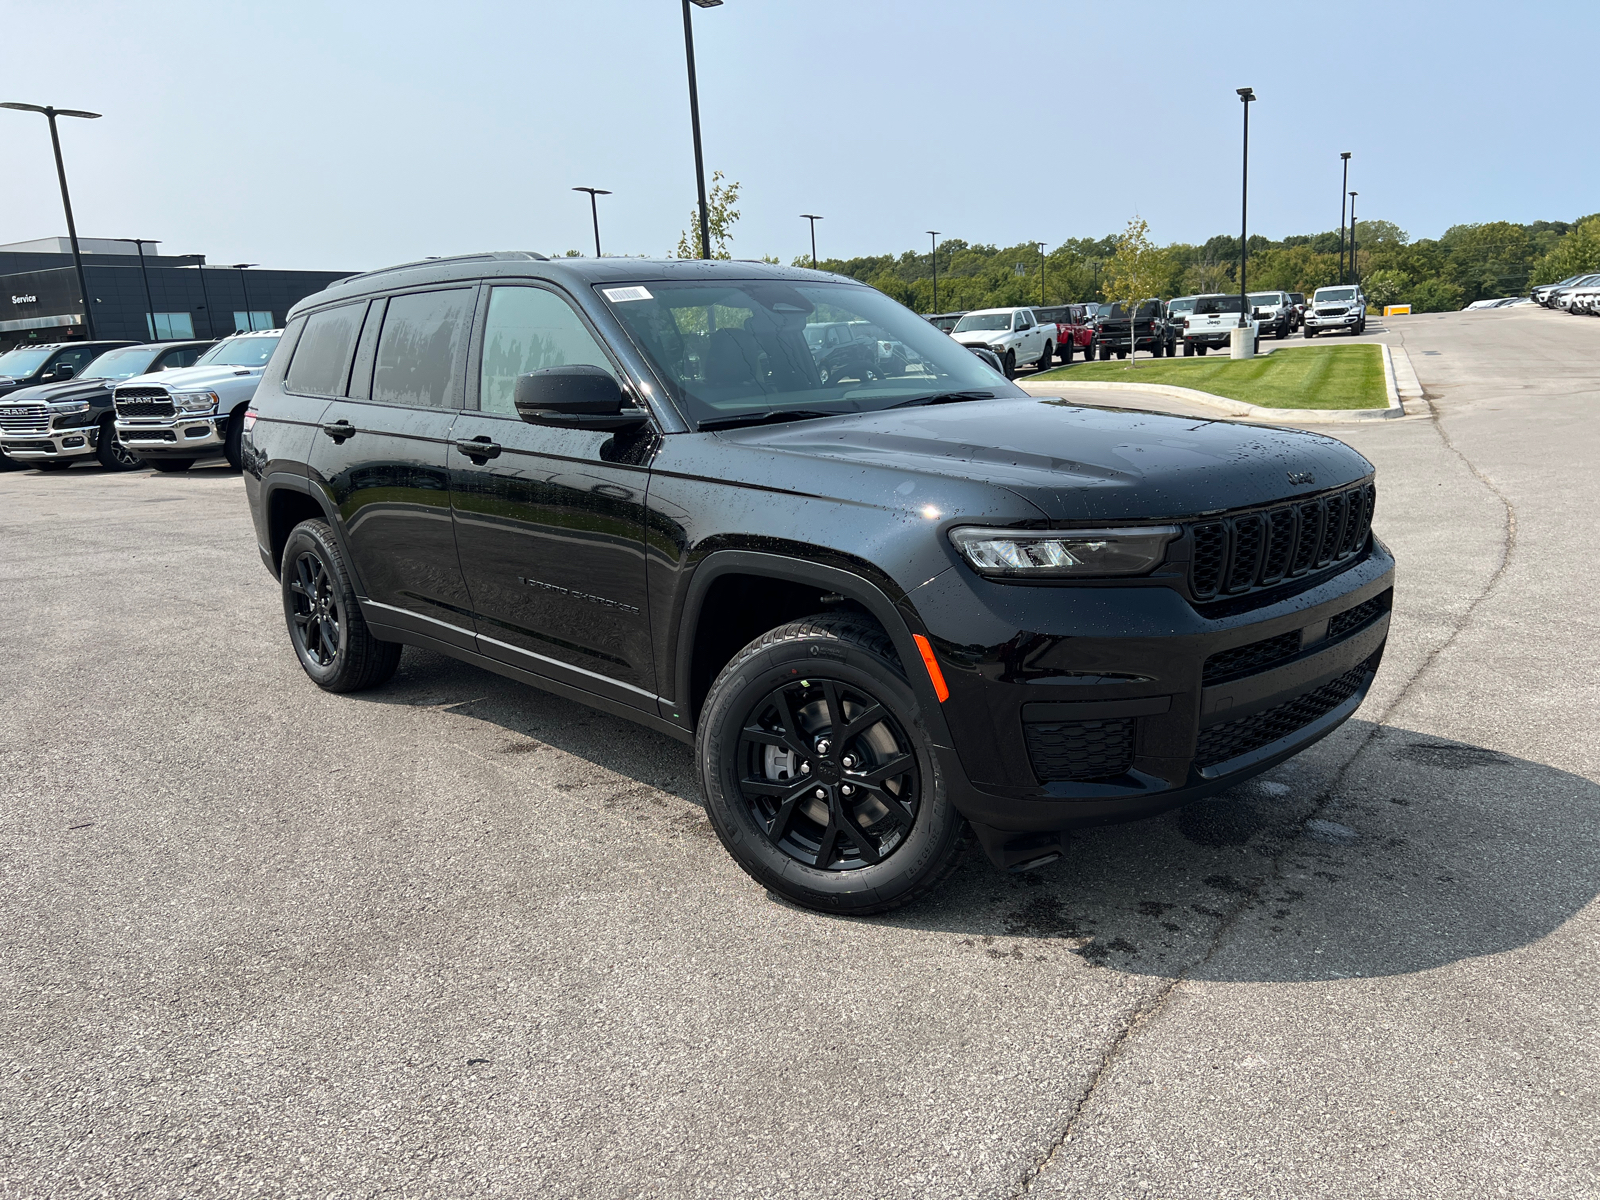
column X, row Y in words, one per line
column 1429, row 851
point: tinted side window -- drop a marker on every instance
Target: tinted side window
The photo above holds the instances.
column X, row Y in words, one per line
column 421, row 344
column 178, row 358
column 77, row 359
column 529, row 328
column 323, row 355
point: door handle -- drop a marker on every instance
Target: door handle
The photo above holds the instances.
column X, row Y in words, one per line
column 339, row 430
column 479, row 449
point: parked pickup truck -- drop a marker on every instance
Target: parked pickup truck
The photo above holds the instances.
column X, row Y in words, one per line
column 172, row 419
column 1014, row 334
column 1150, row 331
column 1336, row 308
column 1073, row 330
column 1275, row 312
column 53, row 425
column 1212, row 323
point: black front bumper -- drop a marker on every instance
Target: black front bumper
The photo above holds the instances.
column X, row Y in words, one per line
column 1118, row 677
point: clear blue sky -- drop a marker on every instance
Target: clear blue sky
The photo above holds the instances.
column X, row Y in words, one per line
column 350, row 135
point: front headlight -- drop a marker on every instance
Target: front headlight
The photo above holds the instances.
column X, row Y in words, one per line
column 194, row 402
column 1063, row 553
column 68, row 407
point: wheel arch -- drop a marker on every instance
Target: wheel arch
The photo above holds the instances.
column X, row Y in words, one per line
column 717, row 620
column 286, row 501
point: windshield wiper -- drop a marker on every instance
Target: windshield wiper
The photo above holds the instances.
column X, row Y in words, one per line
column 943, row 398
column 763, row 418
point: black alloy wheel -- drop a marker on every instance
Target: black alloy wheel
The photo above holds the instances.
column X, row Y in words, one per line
column 113, row 455
column 819, row 776
column 329, row 634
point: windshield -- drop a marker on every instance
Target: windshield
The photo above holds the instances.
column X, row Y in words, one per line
column 1181, row 306
column 751, row 346
column 1218, row 304
column 22, row 362
column 1266, row 297
column 239, row 352
column 121, row 364
column 1336, row 294
column 979, row 322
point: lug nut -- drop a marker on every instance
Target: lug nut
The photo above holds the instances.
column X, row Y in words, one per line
column 821, row 795
column 848, row 790
column 823, row 745
column 805, row 768
column 849, row 760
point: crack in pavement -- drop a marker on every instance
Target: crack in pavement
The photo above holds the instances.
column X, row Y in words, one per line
column 1146, row 1012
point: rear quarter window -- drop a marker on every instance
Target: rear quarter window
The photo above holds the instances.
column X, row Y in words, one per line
column 322, row 356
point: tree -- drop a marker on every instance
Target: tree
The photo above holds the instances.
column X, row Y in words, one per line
column 1578, row 252
column 1385, row 287
column 1435, row 295
column 1136, row 272
column 720, row 217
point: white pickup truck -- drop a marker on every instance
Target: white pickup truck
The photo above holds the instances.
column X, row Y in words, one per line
column 1212, row 322
column 1013, row 334
column 1336, row 308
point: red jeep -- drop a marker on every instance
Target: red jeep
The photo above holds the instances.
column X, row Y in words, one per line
column 1073, row 332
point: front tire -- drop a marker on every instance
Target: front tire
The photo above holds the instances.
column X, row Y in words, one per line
column 822, row 705
column 110, row 451
column 326, row 628
column 1309, row 332
column 233, row 440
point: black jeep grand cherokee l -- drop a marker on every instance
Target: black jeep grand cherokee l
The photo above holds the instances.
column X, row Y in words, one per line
column 882, row 606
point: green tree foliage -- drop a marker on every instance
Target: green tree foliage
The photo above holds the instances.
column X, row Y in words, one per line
column 1137, row 271
column 720, row 217
column 1470, row 262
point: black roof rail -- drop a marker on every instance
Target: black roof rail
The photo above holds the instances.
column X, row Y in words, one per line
column 484, row 256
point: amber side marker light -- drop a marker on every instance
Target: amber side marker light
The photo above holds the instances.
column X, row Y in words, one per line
column 928, row 660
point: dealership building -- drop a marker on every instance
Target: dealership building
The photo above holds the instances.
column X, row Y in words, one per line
column 154, row 298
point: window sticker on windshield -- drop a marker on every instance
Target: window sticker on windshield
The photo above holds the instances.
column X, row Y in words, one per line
column 618, row 295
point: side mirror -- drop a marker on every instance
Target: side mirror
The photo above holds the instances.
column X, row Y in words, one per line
column 574, row 397
column 65, row 371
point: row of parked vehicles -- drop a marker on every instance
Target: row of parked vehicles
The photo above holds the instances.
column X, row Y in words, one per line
column 1037, row 336
column 164, row 405
column 1578, row 294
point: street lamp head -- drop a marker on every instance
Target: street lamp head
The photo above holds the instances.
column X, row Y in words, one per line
column 48, row 111
column 1345, row 155
column 592, row 191
column 1246, row 94
column 706, row 3
column 1353, row 195
column 242, row 266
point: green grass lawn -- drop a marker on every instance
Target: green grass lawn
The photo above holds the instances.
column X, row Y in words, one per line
column 1309, row 377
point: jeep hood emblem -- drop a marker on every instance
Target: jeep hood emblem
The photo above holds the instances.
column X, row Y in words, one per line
column 1302, row 477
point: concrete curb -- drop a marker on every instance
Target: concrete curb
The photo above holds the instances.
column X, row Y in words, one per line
column 1399, row 384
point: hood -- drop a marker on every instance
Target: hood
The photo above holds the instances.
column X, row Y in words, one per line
column 183, row 379
column 981, row 337
column 1070, row 463
column 67, row 389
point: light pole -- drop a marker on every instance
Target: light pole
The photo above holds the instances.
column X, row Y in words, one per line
column 249, row 319
column 1346, row 157
column 1246, row 95
column 594, row 210
column 1355, row 275
column 1042, row 300
column 694, row 118
column 50, row 114
column 813, row 218
column 933, row 255
column 140, row 244
column 200, row 266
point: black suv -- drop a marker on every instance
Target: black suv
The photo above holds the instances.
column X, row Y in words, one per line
column 882, row 607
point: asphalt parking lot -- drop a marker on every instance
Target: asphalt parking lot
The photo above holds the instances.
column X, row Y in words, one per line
column 459, row 938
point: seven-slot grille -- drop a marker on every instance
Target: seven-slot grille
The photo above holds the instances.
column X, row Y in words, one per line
column 1236, row 555
column 24, row 418
column 144, row 402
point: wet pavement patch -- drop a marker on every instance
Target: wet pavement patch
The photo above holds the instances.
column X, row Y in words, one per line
column 1331, row 833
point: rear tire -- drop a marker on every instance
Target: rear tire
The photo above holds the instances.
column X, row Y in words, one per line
column 1105, row 353
column 233, row 440
column 1044, row 359
column 1009, row 364
column 329, row 635
column 1122, row 354
column 169, row 466
column 113, row 455
column 895, row 838
column 1188, row 349
column 1201, row 349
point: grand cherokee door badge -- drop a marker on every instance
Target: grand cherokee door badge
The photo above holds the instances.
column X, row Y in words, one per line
column 576, row 595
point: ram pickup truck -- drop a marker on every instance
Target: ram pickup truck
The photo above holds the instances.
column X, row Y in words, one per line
column 53, row 425
column 1014, row 334
column 1150, row 330
column 1212, row 323
column 1073, row 330
column 172, row 419
column 1336, row 308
